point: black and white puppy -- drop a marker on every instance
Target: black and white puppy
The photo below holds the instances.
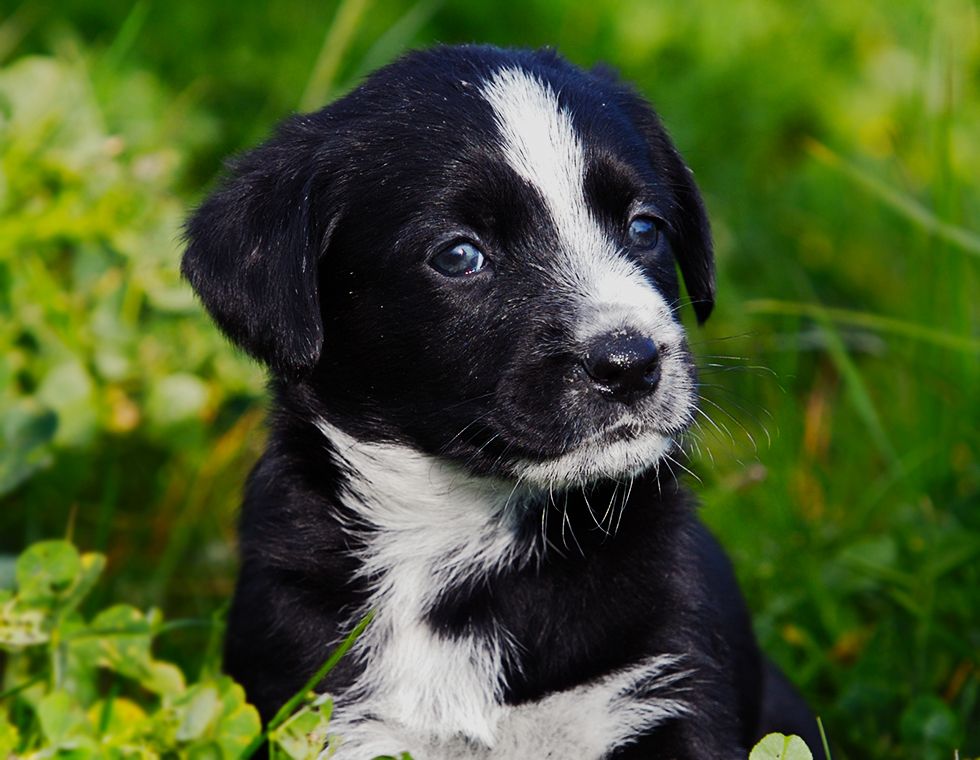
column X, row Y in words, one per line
column 462, row 278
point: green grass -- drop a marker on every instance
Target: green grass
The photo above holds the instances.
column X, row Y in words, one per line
column 836, row 146
column 59, row 659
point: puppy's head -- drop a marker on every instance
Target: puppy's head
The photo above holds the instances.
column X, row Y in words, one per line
column 472, row 254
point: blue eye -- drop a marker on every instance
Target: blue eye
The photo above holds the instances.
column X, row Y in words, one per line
column 458, row 260
column 644, row 232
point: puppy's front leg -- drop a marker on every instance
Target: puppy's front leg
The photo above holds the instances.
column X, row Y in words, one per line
column 592, row 720
column 595, row 721
column 705, row 728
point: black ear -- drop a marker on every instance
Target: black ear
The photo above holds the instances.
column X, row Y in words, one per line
column 690, row 237
column 254, row 244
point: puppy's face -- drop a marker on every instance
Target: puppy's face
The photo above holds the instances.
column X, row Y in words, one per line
column 472, row 254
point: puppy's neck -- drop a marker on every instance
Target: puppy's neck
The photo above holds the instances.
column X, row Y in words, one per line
column 427, row 529
column 415, row 502
column 418, row 504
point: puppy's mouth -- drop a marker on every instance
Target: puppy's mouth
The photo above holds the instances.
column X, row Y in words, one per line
column 623, row 430
column 619, row 450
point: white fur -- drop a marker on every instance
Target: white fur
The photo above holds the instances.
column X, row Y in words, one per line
column 587, row 722
column 593, row 719
column 541, row 144
column 588, row 462
column 429, row 525
column 628, row 300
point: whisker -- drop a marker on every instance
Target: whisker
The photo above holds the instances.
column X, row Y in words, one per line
column 722, row 429
column 544, row 529
column 622, row 508
column 729, row 357
column 691, row 437
column 733, row 418
column 478, row 397
column 714, row 368
column 723, row 338
column 546, row 542
column 669, row 458
column 566, row 520
column 472, row 457
column 513, row 490
column 609, row 509
column 504, row 452
column 735, row 400
column 588, row 506
column 466, row 427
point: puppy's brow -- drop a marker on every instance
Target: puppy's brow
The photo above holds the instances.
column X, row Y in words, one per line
column 541, row 144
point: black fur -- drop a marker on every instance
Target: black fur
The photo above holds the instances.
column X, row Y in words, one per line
column 312, row 255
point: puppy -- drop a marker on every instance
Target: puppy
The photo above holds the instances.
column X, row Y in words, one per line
column 462, row 279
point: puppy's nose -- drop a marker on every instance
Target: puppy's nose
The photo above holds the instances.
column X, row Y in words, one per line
column 623, row 365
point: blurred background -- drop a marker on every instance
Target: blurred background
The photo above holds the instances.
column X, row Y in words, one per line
column 838, row 147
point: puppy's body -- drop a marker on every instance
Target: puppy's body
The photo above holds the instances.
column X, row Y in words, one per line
column 462, row 276
column 594, row 638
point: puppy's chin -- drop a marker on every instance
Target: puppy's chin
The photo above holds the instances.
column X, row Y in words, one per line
column 554, row 450
column 617, row 455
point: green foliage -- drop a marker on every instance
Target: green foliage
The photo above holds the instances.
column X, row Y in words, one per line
column 781, row 747
column 110, row 383
column 53, row 699
column 93, row 689
column 836, row 145
column 303, row 734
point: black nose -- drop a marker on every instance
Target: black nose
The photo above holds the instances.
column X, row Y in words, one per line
column 624, row 365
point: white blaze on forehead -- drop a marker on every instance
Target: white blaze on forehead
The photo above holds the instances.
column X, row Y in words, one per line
column 540, row 142
column 542, row 146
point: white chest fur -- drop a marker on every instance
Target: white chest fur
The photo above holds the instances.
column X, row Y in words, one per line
column 429, row 527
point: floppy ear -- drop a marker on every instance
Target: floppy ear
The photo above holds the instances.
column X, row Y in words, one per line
column 691, row 235
column 254, row 244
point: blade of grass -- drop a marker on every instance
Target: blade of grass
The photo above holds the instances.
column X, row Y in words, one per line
column 952, row 296
column 950, row 560
column 321, row 673
column 108, row 705
column 131, row 26
column 398, row 37
column 15, row 690
column 335, row 44
column 886, row 325
column 858, row 391
column 823, row 738
column 185, row 515
column 875, row 495
column 15, row 27
column 108, row 504
column 854, row 383
column 287, row 709
column 141, row 630
column 212, row 651
column 911, row 209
